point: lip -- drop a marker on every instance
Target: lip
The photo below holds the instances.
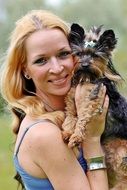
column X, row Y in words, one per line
column 59, row 81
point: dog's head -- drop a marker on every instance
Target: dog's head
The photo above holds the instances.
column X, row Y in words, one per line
column 92, row 52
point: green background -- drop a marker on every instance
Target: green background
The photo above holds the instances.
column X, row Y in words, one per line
column 110, row 13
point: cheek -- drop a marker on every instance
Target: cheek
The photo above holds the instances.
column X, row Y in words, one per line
column 70, row 64
column 38, row 71
column 38, row 74
column 75, row 60
column 39, row 79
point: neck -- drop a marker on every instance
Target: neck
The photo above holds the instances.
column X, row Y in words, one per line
column 53, row 103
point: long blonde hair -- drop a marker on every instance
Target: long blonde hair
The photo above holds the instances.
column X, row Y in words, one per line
column 13, row 83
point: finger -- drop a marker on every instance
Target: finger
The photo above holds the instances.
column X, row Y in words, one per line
column 101, row 95
column 84, row 90
column 98, row 92
column 101, row 101
column 102, row 91
column 95, row 91
column 106, row 105
column 89, row 88
column 102, row 110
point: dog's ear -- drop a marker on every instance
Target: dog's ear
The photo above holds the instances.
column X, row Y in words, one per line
column 96, row 30
column 107, row 41
column 77, row 34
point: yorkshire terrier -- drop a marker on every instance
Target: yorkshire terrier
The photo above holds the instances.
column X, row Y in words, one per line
column 93, row 52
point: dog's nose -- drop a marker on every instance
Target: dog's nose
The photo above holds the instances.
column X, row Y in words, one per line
column 85, row 64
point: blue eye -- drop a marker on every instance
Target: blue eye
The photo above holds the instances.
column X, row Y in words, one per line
column 64, row 54
column 41, row 61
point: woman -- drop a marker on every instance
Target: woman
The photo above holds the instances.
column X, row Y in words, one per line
column 36, row 78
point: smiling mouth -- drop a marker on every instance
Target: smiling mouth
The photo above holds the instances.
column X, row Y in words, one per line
column 59, row 81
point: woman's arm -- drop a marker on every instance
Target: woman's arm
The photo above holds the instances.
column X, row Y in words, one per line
column 92, row 149
column 57, row 160
column 98, row 177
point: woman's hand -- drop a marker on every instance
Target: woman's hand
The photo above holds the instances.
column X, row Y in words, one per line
column 98, row 105
column 97, row 124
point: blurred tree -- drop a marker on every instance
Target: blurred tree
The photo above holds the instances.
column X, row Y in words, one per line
column 14, row 10
column 111, row 13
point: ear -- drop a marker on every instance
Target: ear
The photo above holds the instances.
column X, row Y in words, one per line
column 107, row 41
column 96, row 30
column 25, row 73
column 77, row 34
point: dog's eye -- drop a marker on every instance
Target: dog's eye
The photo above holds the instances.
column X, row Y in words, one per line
column 79, row 54
column 94, row 41
column 95, row 56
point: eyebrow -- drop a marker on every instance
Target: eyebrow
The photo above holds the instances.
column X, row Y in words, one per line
column 65, row 48
column 35, row 58
column 44, row 55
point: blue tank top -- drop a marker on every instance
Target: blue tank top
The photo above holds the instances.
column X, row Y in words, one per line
column 32, row 183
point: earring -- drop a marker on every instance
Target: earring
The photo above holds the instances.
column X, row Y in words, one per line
column 27, row 76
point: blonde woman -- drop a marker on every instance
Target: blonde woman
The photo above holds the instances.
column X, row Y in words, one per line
column 36, row 77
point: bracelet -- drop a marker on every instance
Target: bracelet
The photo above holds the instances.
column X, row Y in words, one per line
column 96, row 163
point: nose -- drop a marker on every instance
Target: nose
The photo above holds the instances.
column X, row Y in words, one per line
column 56, row 67
column 86, row 61
column 85, row 64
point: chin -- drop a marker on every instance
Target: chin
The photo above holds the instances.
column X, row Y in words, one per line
column 61, row 91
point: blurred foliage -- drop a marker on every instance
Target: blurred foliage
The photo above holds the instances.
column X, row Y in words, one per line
column 110, row 13
column 7, row 170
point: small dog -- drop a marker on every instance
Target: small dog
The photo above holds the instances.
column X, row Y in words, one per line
column 93, row 52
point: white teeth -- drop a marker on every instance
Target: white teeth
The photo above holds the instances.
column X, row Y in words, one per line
column 58, row 81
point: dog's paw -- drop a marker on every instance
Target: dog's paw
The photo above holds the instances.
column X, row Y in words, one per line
column 66, row 135
column 75, row 140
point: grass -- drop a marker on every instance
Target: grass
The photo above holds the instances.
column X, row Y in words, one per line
column 7, row 170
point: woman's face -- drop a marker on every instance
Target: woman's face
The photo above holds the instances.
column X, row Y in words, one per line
column 49, row 62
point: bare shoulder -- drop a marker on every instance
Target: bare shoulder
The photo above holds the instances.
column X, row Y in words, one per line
column 45, row 136
column 42, row 131
column 49, row 152
column 41, row 138
column 45, row 133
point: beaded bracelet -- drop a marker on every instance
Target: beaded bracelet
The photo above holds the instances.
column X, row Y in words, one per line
column 96, row 163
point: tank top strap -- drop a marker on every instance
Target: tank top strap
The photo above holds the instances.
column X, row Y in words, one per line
column 25, row 131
